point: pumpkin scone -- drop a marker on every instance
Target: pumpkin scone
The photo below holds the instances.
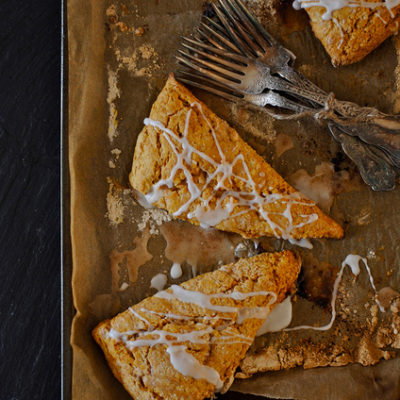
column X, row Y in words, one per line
column 193, row 164
column 349, row 30
column 186, row 341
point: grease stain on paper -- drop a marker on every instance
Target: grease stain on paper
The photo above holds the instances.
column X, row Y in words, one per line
column 104, row 306
column 200, row 248
column 129, row 261
column 282, row 144
column 323, row 185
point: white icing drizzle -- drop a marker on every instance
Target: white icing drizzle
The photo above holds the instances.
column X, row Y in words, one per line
column 166, row 315
column 334, row 5
column 336, row 22
column 378, row 15
column 162, row 337
column 228, row 200
column 204, row 300
column 306, row 243
column 176, row 270
column 158, row 281
column 227, row 339
column 253, row 312
column 137, row 315
column 187, row 365
column 352, row 261
column 183, row 361
column 279, row 318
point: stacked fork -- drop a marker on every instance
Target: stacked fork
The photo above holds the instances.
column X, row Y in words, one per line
column 233, row 56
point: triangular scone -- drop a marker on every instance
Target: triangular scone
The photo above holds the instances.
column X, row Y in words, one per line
column 350, row 33
column 193, row 164
column 187, row 341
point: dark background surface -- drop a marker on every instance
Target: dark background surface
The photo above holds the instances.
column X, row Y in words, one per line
column 30, row 40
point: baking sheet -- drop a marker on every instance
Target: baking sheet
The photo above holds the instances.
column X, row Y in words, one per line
column 120, row 54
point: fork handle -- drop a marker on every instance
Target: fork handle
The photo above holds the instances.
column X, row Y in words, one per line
column 378, row 129
column 311, row 91
column 374, row 165
column 381, row 137
column 274, row 99
column 371, row 162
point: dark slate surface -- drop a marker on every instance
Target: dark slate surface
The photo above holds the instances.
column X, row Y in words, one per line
column 29, row 195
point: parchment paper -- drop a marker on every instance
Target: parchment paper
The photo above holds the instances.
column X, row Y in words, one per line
column 120, row 53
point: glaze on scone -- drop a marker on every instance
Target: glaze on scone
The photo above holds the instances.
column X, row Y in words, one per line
column 193, row 164
column 187, row 341
column 350, row 33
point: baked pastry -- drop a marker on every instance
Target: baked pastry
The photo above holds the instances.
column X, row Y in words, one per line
column 186, row 342
column 350, row 32
column 193, row 164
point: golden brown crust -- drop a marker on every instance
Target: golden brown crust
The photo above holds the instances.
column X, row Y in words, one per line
column 352, row 33
column 153, row 160
column 147, row 373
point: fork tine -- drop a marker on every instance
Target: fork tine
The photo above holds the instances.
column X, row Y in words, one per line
column 198, row 76
column 221, row 37
column 228, row 74
column 202, row 36
column 206, row 73
column 246, row 13
column 212, row 78
column 209, row 89
column 235, row 37
column 237, row 23
column 215, row 24
column 251, row 29
column 205, row 37
column 241, row 59
column 217, row 59
column 269, row 98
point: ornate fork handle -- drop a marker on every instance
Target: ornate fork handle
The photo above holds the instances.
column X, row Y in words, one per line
column 373, row 168
column 374, row 164
column 367, row 123
column 238, row 60
column 385, row 139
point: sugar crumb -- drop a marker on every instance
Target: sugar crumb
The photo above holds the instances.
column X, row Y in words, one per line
column 139, row 31
column 117, row 152
column 115, row 206
column 112, row 95
column 146, row 51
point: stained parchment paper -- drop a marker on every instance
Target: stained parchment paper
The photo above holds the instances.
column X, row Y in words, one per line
column 120, row 53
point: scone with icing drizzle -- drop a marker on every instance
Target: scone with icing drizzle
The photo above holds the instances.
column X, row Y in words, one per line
column 186, row 342
column 351, row 29
column 193, row 164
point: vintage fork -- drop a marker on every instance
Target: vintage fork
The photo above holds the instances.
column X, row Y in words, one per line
column 253, row 40
column 249, row 76
column 229, row 65
column 374, row 170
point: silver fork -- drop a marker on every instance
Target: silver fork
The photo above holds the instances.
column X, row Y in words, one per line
column 238, row 72
column 249, row 76
column 234, row 12
column 371, row 163
column 221, row 62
